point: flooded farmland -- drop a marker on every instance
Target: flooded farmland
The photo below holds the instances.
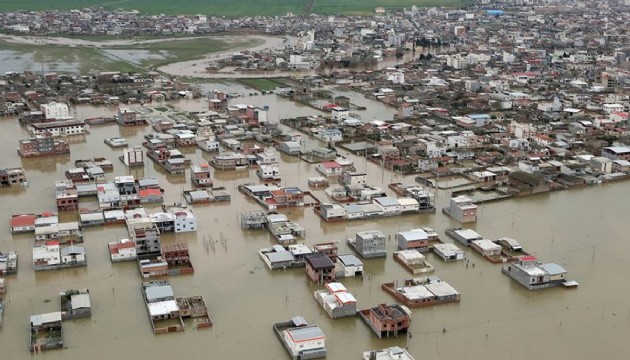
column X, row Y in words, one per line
column 582, row 230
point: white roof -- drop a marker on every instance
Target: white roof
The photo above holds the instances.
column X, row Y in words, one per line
column 448, row 249
column 335, row 287
column 40, row 319
column 162, row 307
column 415, row 234
column 468, row 234
column 416, row 292
column 441, row 288
column 486, row 245
column 80, row 301
column 410, row 255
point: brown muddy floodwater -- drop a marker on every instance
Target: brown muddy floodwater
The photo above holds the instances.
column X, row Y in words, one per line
column 583, row 230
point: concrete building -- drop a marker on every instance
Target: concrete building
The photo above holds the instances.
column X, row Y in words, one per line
column 348, row 265
column 320, row 268
column 42, row 146
column 369, row 244
column 462, row 209
column 302, row 341
column 13, row 177
column 336, row 301
column 268, row 172
column 448, row 252
column 55, row 111
column 413, row 239
column 144, row 233
column 133, row 157
column 391, row 353
column 58, row 128
column 386, row 320
column 533, row 275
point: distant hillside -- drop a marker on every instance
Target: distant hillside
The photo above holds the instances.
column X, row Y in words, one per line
column 230, row 8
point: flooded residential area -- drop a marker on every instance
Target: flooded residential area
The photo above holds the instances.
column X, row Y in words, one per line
column 267, row 201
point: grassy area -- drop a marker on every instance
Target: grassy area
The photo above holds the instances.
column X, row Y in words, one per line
column 262, row 84
column 232, row 8
column 366, row 7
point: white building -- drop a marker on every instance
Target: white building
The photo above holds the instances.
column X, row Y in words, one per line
column 55, row 110
column 133, row 156
column 448, row 252
column 185, row 219
column 46, row 255
column 268, row 172
column 339, row 113
column 304, row 339
column 208, row 145
column 349, row 266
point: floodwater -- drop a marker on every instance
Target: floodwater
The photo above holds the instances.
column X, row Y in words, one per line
column 583, row 230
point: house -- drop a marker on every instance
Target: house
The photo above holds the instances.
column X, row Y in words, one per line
column 230, row 161
column 133, row 157
column 13, row 177
column 8, row 264
column 487, row 248
column 413, row 261
column 208, row 145
column 391, row 353
column 58, row 128
column 408, row 205
column 278, row 257
column 348, row 265
column 143, row 232
column 268, row 172
column 302, row 341
column 22, row 223
column 331, row 212
column 462, row 209
column 323, row 153
column 163, row 310
column 616, row 153
column 464, row 236
column 354, row 178
column 330, row 135
column 421, row 292
column 369, row 244
column 329, row 168
column 42, row 146
column 200, row 175
column 386, row 320
column 339, row 113
column 448, row 252
column 75, row 304
column 320, row 268
column 47, row 256
column 185, row 219
column 293, row 148
column 533, row 275
column 46, row 332
column 389, row 205
column 123, row 250
column 413, row 239
column 336, row 301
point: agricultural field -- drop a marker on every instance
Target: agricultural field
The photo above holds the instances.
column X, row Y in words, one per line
column 262, row 84
column 230, row 8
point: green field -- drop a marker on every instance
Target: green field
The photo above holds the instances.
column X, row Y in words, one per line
column 231, row 8
column 262, row 84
